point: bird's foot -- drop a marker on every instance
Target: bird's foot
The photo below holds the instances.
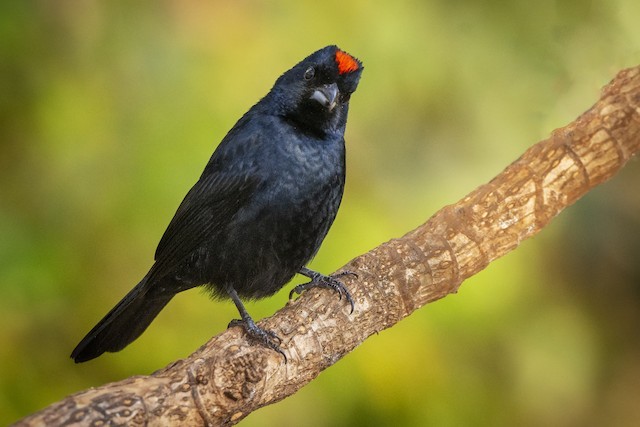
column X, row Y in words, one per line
column 321, row 281
column 261, row 336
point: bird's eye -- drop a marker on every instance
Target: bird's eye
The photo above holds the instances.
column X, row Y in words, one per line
column 308, row 75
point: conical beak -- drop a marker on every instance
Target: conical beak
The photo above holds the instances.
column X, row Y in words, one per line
column 326, row 95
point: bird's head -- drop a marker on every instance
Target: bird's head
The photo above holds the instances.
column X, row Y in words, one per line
column 315, row 93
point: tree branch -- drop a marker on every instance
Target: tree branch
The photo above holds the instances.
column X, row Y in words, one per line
column 228, row 377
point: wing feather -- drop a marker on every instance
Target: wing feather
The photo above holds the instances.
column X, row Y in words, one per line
column 203, row 213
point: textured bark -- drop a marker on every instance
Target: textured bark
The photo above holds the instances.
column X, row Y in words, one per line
column 228, row 378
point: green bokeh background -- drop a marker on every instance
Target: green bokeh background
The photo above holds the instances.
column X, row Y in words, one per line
column 110, row 110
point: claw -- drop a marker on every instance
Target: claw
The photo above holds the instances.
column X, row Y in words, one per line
column 255, row 333
column 347, row 273
column 262, row 336
column 322, row 281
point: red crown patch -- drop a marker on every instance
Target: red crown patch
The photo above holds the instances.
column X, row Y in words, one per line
column 346, row 63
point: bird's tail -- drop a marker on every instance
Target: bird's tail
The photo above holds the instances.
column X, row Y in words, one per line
column 124, row 323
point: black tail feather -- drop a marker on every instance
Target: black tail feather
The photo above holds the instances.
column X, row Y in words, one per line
column 123, row 324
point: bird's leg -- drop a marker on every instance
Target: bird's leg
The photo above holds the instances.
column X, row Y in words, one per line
column 321, row 281
column 256, row 333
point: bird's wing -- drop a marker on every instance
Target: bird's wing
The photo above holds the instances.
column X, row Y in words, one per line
column 212, row 201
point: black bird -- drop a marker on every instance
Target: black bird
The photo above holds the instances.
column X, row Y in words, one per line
column 260, row 210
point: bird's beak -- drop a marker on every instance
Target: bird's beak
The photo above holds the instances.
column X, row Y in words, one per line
column 326, row 95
